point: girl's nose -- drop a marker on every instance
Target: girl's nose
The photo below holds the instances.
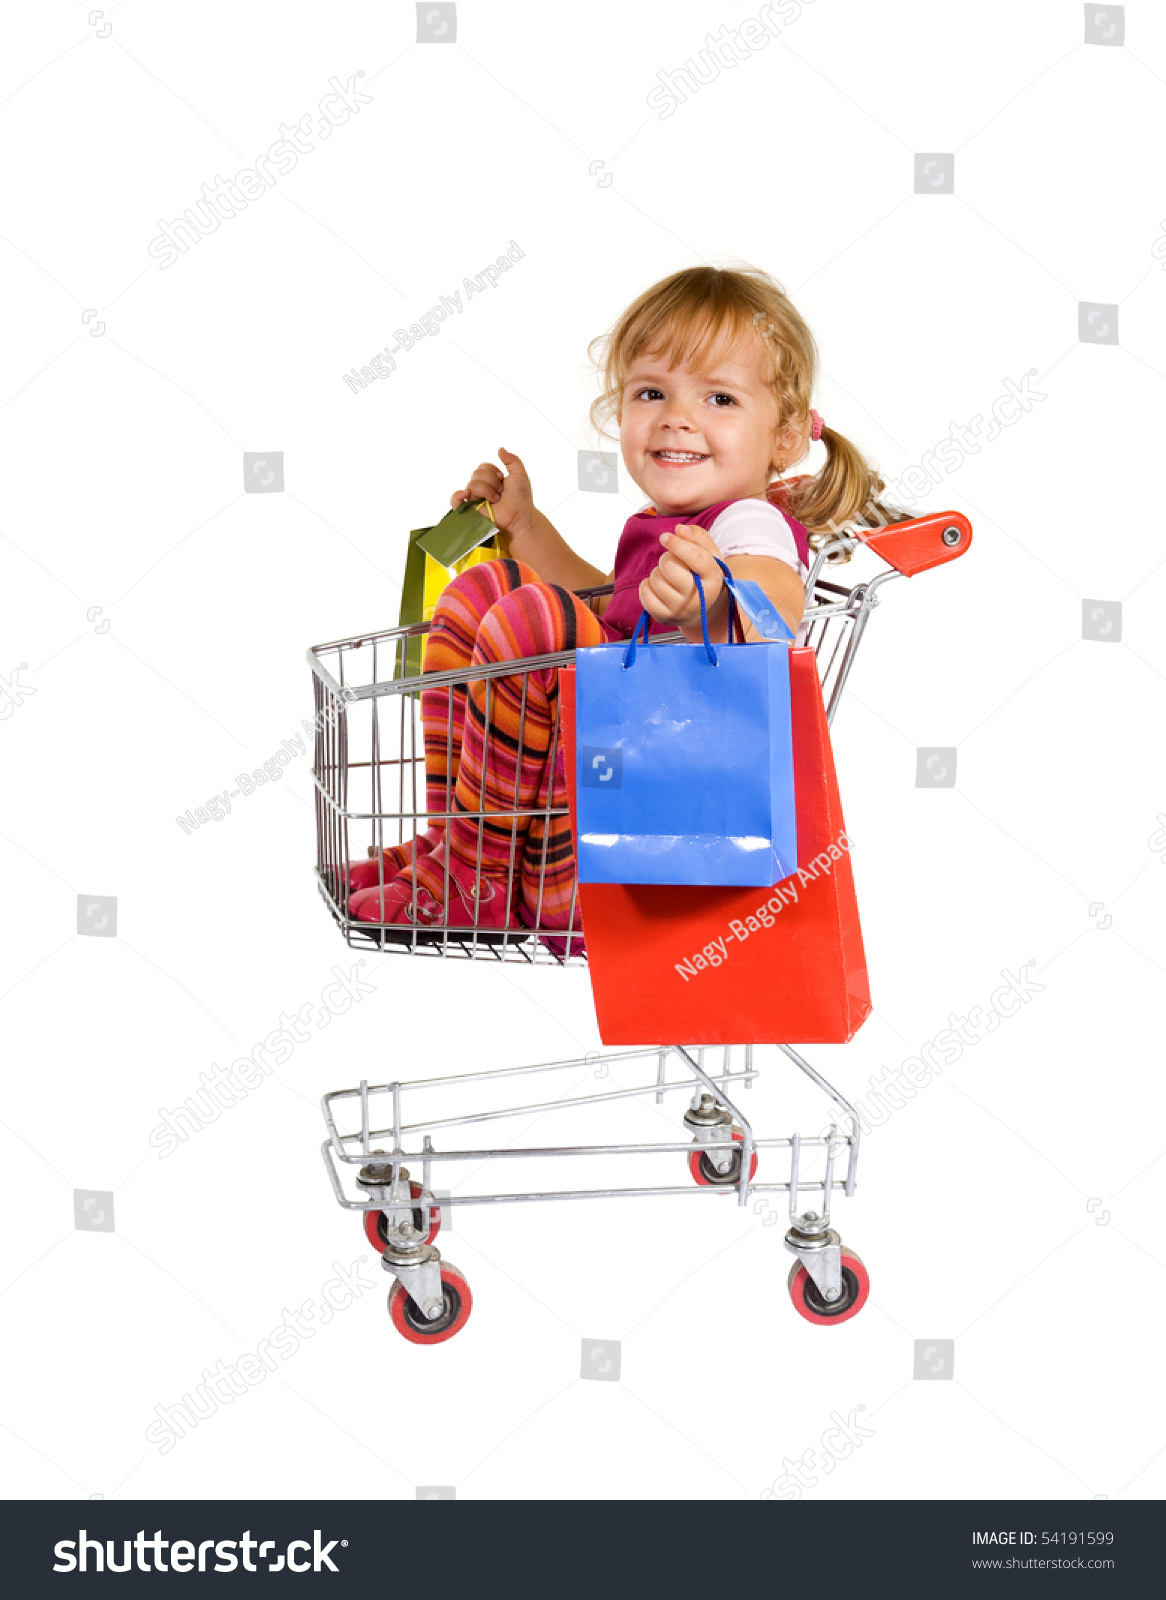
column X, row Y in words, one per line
column 679, row 415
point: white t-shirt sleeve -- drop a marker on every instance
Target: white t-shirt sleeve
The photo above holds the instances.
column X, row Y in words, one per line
column 756, row 528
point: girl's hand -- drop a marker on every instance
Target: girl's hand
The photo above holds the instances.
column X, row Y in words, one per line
column 668, row 593
column 510, row 496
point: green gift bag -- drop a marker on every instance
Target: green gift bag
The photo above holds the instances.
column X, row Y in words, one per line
column 435, row 557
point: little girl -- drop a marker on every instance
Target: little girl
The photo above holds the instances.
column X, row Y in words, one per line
column 709, row 375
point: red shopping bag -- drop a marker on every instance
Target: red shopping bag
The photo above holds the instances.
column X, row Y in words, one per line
column 737, row 966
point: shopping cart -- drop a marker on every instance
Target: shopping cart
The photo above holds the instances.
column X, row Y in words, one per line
column 369, row 774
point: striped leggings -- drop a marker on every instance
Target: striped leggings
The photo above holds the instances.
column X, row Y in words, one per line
column 501, row 763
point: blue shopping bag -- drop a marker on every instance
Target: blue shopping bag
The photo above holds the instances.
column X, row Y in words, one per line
column 684, row 757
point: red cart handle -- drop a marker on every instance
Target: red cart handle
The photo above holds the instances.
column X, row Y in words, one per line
column 923, row 542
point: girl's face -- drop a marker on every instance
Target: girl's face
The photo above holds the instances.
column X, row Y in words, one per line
column 690, row 438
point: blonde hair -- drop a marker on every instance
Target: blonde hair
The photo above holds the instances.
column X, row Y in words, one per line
column 686, row 317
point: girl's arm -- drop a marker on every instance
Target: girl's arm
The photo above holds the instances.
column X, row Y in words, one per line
column 535, row 540
column 531, row 537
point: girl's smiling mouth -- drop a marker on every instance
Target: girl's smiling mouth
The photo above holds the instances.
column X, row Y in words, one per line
column 678, row 458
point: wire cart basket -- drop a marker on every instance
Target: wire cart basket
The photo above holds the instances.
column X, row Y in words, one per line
column 369, row 775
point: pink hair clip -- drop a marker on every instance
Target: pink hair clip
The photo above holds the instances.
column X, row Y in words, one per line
column 816, row 425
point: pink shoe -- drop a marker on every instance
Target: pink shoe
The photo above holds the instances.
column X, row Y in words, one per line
column 413, row 899
column 559, row 947
column 366, row 874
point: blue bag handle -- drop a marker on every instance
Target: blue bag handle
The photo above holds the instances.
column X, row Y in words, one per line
column 762, row 613
column 735, row 622
column 646, row 620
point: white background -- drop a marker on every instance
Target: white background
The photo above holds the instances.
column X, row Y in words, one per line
column 124, row 490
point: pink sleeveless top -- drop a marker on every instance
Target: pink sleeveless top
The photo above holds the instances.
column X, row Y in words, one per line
column 639, row 553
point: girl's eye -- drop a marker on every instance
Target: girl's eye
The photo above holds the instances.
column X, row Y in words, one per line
column 651, row 393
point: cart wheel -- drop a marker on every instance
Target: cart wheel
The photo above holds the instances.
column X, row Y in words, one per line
column 376, row 1229
column 704, row 1172
column 808, row 1301
column 409, row 1322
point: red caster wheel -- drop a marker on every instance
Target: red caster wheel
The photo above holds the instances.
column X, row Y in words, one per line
column 412, row 1325
column 808, row 1302
column 376, row 1229
column 704, row 1172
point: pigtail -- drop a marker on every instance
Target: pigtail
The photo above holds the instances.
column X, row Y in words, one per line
column 847, row 490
